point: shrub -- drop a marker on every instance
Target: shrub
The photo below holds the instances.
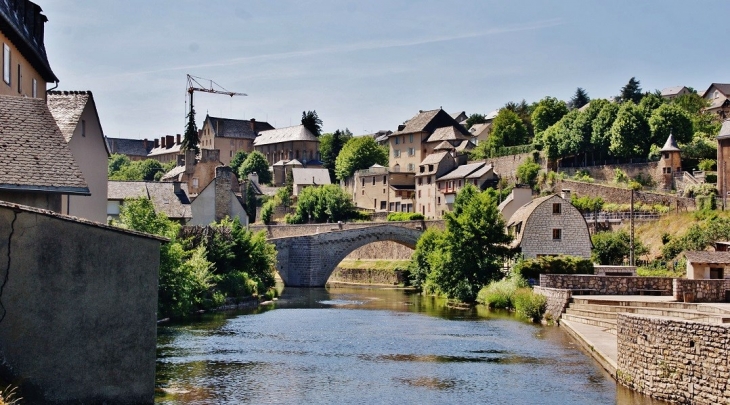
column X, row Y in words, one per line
column 529, row 304
column 700, row 190
column 611, row 248
column 711, row 178
column 707, row 164
column 584, row 176
column 620, row 176
column 404, row 216
column 237, row 284
column 706, row 202
column 498, row 294
column 267, row 212
column 532, row 268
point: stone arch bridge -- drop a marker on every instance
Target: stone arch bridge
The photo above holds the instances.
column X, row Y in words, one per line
column 309, row 260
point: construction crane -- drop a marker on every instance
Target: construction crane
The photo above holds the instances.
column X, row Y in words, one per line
column 213, row 87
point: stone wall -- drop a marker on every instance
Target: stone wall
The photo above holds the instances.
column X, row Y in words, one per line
column 607, row 285
column 78, row 317
column 367, row 276
column 700, row 290
column 557, row 301
column 506, row 166
column 676, row 361
column 283, row 231
column 618, row 195
column 606, row 173
column 602, row 270
column 385, row 250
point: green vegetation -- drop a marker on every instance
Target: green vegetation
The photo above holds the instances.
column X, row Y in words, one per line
column 475, row 119
column 190, row 139
column 327, row 203
column 579, row 99
column 507, row 130
column 527, row 172
column 330, row 146
column 255, row 163
column 532, row 268
column 548, row 111
column 311, row 121
column 613, row 248
column 237, row 161
column 707, row 229
column 460, row 260
column 195, row 273
column 514, row 293
column 123, row 169
column 357, row 154
column 587, row 204
column 404, row 216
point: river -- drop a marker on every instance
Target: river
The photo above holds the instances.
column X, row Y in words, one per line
column 350, row 345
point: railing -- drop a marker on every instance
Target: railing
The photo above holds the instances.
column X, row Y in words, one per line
column 605, row 162
column 614, row 216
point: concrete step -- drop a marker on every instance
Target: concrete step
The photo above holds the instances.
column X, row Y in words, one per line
column 587, row 313
column 604, row 323
column 665, row 312
column 698, row 307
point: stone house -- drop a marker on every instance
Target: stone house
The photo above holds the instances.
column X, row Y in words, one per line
column 38, row 168
column 219, row 199
column 479, row 174
column 480, row 132
column 718, row 94
column 674, row 92
column 380, row 189
column 170, row 199
column 309, row 177
column 432, row 167
column 25, row 67
column 287, row 144
column 230, row 135
column 460, row 117
column 703, row 265
column 134, row 149
column 166, row 149
column 77, row 118
column 550, row 226
column 195, row 173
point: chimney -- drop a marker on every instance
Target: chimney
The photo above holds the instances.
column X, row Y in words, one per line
column 157, row 143
column 253, row 124
column 169, row 141
column 177, row 139
column 144, row 143
column 189, row 162
column 401, row 127
column 162, row 141
column 176, row 187
column 565, row 193
column 223, row 179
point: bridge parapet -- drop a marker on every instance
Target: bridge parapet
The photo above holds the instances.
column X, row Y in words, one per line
column 289, row 230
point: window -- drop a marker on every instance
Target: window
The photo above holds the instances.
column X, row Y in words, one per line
column 420, row 181
column 195, row 182
column 428, row 179
column 363, row 192
column 382, row 204
column 419, row 193
column 383, row 191
column 396, row 152
column 363, row 181
column 557, row 208
column 411, row 151
column 410, row 138
column 666, row 155
column 430, row 168
column 6, row 63
column 35, row 89
column 385, row 179
column 557, row 234
column 459, row 183
column 83, row 127
column 411, row 167
column 397, row 140
column 438, row 200
column 373, row 180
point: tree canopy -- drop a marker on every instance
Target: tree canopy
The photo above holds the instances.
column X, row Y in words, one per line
column 357, row 154
column 256, row 163
column 191, row 140
column 630, row 133
column 475, row 119
column 311, row 121
column 670, row 118
column 328, row 203
column 238, row 160
column 549, row 110
column 507, row 130
column 579, row 99
column 631, row 91
column 330, row 146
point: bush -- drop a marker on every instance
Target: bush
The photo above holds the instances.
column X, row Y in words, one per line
column 706, row 202
column 707, row 164
column 532, row 268
column 267, row 212
column 700, row 190
column 237, row 284
column 584, row 176
column 498, row 294
column 611, row 248
column 529, row 304
column 620, row 176
column 404, row 216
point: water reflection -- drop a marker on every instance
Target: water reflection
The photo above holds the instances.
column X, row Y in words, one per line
column 361, row 345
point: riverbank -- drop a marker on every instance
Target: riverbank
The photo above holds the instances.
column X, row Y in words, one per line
column 371, row 272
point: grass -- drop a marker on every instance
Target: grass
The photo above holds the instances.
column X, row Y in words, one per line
column 654, row 272
column 390, row 265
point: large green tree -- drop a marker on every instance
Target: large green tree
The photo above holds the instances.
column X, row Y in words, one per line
column 359, row 153
column 631, row 91
column 311, row 121
column 507, row 130
column 524, row 111
column 630, row 133
column 256, row 163
column 330, row 146
column 238, row 160
column 670, row 118
column 475, row 119
column 612, row 248
column 579, row 99
column 549, row 110
column 327, row 203
column 190, row 139
column 601, row 135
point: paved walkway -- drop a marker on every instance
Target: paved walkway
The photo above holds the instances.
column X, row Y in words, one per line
column 598, row 340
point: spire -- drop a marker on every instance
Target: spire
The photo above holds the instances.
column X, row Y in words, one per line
column 670, row 145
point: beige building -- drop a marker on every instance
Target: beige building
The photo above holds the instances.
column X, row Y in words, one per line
column 519, row 196
column 674, row 92
column 309, row 177
column 230, row 135
column 550, row 226
column 25, row 67
column 219, row 199
column 703, row 265
column 195, row 173
column 718, row 95
column 166, row 149
column 77, row 118
column 288, row 144
column 479, row 174
column 381, row 190
column 480, row 132
column 434, row 166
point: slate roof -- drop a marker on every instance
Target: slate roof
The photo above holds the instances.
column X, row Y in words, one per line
column 445, row 145
column 452, row 133
column 175, row 148
column 433, row 158
column 173, row 174
column 724, row 130
column 671, row 91
column 708, row 257
column 233, row 128
column 670, row 145
column 478, row 128
column 724, row 88
column 462, row 171
column 287, row 134
column 162, row 195
column 480, row 172
column 464, row 145
column 26, row 38
column 523, row 213
column 492, row 115
column 429, row 121
column 129, row 147
column 304, row 176
column 34, row 155
column 67, row 108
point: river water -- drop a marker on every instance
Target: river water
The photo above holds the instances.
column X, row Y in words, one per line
column 354, row 345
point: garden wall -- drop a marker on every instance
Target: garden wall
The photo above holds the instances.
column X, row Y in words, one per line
column 700, row 290
column 606, row 173
column 607, row 285
column 672, row 360
column 618, row 195
column 557, row 301
column 506, row 166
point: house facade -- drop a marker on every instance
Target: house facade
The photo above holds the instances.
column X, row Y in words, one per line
column 195, row 173
column 170, row 199
column 379, row 189
column 550, row 226
column 704, row 265
column 77, row 118
column 230, row 135
column 718, row 95
column 218, row 200
column 309, row 177
column 288, row 143
column 166, row 149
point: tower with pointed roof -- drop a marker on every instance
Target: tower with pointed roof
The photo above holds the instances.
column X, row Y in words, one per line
column 670, row 162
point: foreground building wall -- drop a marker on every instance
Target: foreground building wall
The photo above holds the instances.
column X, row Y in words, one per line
column 78, row 316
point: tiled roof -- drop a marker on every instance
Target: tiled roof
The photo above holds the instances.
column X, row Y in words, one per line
column 670, row 145
column 162, row 195
column 481, row 172
column 478, row 128
column 29, row 41
column 33, row 153
column 429, row 121
column 724, row 130
column 445, row 145
column 232, row 128
column 433, row 158
column 708, row 257
column 724, row 88
column 465, row 145
column 66, row 108
column 173, row 174
column 670, row 91
column 303, row 176
column 293, row 162
column 129, row 147
column 492, row 115
column 452, row 133
column 288, row 134
column 175, row 148
column 462, row 171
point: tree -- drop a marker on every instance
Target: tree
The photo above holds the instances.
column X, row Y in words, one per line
column 649, row 103
column 255, row 163
column 631, row 92
column 149, row 168
column 330, row 146
column 507, row 130
column 670, row 118
column 191, row 140
column 311, row 121
column 579, row 99
column 548, row 111
column 250, row 202
column 630, row 133
column 238, row 160
column 611, row 248
column 116, row 162
column 601, row 135
column 524, row 111
column 357, row 154
column 527, row 172
column 475, row 119
column 328, row 203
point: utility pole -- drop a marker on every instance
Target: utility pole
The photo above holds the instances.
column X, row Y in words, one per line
column 631, row 221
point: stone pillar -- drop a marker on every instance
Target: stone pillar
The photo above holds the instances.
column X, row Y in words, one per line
column 223, row 194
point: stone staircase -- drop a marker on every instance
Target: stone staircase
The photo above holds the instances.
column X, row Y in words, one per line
column 603, row 313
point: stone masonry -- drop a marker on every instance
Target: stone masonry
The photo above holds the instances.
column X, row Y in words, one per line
column 557, row 301
column 608, row 285
column 309, row 260
column 618, row 195
column 700, row 290
column 223, row 195
column 682, row 362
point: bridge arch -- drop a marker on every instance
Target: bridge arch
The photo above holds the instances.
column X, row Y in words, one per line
column 308, row 261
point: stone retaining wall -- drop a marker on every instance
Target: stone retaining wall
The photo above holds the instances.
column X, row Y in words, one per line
column 607, row 285
column 700, row 290
column 617, row 195
column 672, row 360
column 601, row 270
column 385, row 250
column 557, row 301
column 608, row 172
column 367, row 276
column 506, row 166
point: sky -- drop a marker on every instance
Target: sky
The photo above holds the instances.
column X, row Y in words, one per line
column 370, row 65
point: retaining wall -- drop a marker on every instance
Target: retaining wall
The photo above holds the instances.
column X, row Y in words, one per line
column 672, row 360
column 607, row 285
column 700, row 290
column 367, row 276
column 618, row 195
column 506, row 166
column 557, row 301
column 607, row 172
